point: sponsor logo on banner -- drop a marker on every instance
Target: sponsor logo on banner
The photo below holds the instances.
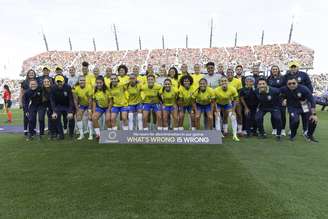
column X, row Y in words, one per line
column 160, row 137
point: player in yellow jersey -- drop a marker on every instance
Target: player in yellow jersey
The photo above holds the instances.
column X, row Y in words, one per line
column 236, row 83
column 174, row 76
column 100, row 105
column 82, row 95
column 169, row 98
column 184, row 71
column 197, row 75
column 141, row 78
column 123, row 74
column 151, row 102
column 89, row 77
column 133, row 90
column 118, row 103
column 203, row 103
column 108, row 73
column 225, row 96
column 185, row 101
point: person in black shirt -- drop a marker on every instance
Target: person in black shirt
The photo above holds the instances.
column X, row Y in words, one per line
column 269, row 101
column 300, row 102
column 45, row 74
column 30, row 75
column 62, row 103
column 32, row 104
column 301, row 77
column 277, row 80
column 249, row 102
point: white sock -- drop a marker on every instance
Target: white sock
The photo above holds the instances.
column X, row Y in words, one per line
column 125, row 128
column 218, row 123
column 114, row 128
column 176, row 129
column 193, row 128
column 97, row 130
column 165, row 128
column 145, row 129
column 180, row 128
column 130, row 116
column 160, row 128
column 79, row 125
column 234, row 124
column 140, row 124
column 225, row 128
column 90, row 126
column 240, row 129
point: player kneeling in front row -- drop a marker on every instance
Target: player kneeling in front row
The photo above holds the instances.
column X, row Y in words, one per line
column 82, row 94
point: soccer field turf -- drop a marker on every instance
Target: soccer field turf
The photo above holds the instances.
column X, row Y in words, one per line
column 252, row 178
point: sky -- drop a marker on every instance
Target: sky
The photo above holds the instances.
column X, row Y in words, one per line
column 22, row 23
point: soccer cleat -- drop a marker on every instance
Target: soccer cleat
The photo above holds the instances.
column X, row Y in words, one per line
column 90, row 137
column 262, row 136
column 312, row 139
column 291, row 138
column 80, row 137
column 235, row 138
column 274, row 131
column 65, row 131
column 283, row 132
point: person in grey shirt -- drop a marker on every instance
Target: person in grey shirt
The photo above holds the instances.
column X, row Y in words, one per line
column 72, row 77
column 212, row 78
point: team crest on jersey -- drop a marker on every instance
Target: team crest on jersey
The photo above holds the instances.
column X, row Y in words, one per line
column 269, row 97
column 65, row 93
column 299, row 79
column 299, row 94
column 38, row 93
column 278, row 81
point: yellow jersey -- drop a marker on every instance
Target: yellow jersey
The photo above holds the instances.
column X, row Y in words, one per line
column 224, row 97
column 185, row 95
column 236, row 83
column 107, row 81
column 101, row 98
column 204, row 97
column 169, row 98
column 134, row 94
column 90, row 79
column 196, row 78
column 151, row 95
column 118, row 95
column 123, row 80
column 83, row 94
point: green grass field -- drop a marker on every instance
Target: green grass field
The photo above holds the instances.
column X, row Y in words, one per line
column 248, row 179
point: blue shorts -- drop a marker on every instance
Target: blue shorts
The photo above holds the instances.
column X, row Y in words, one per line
column 168, row 108
column 84, row 108
column 185, row 109
column 151, row 106
column 119, row 109
column 203, row 108
column 135, row 108
column 225, row 107
column 101, row 110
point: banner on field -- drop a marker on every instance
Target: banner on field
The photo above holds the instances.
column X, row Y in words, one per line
column 160, row 137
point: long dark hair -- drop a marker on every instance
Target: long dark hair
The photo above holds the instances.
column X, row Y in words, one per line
column 184, row 78
column 274, row 66
column 104, row 87
column 6, row 87
column 176, row 73
column 31, row 70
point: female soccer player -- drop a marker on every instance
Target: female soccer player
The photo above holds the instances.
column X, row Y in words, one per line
column 203, row 103
column 161, row 76
column 174, row 76
column 186, row 91
column 123, row 74
column 277, row 80
column 141, row 78
column 83, row 102
column 225, row 96
column 7, row 102
column 151, row 102
column 100, row 105
column 197, row 75
column 118, row 104
column 169, row 97
column 133, row 90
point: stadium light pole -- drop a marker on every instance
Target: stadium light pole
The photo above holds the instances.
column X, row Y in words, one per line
column 211, row 33
column 45, row 41
column 94, row 44
column 236, row 36
column 70, row 44
column 291, row 31
column 262, row 38
column 163, row 44
column 187, row 41
column 116, row 39
column 139, row 43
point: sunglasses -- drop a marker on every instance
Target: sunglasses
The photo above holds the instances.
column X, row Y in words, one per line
column 291, row 83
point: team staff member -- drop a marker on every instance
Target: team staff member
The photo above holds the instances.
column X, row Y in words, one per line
column 45, row 74
column 277, row 80
column 269, row 101
column 249, row 101
column 30, row 75
column 62, row 103
column 203, row 102
column 32, row 105
column 226, row 96
column 300, row 102
column 82, row 95
column 169, row 97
